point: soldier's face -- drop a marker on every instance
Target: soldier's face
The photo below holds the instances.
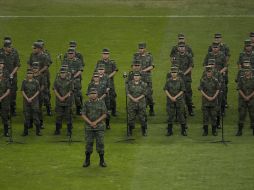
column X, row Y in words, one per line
column 136, row 78
column 29, row 76
column 105, row 56
column 215, row 49
column 181, row 49
column 96, row 78
column 217, row 40
column 71, row 55
column 62, row 75
column 136, row 67
column 36, row 50
column 93, row 96
column 7, row 49
column 209, row 74
column 248, row 48
column 101, row 71
column 1, row 65
column 252, row 39
column 174, row 74
column 141, row 50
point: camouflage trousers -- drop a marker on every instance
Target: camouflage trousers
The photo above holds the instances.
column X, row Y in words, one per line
column 137, row 109
column 78, row 98
column 5, row 112
column 243, row 107
column 149, row 95
column 209, row 113
column 112, row 99
column 98, row 136
column 63, row 112
column 176, row 109
column 188, row 93
column 31, row 111
column 13, row 93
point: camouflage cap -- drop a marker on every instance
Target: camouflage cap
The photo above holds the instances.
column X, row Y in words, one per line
column 105, row 51
column 247, row 42
column 217, row 35
column 29, row 71
column 35, row 64
column 181, row 36
column 215, row 45
column 7, row 38
column 92, row 91
column 181, row 44
column 142, row 45
column 174, row 69
column 1, row 61
column 208, row 68
column 7, row 43
column 251, row 34
column 96, row 74
column 101, row 67
column 137, row 73
column 73, row 43
column 211, row 61
column 37, row 45
column 41, row 41
column 63, row 70
column 71, row 50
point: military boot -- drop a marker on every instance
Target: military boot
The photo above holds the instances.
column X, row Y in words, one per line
column 30, row 126
column 183, row 131
column 38, row 130
column 69, row 130
column 78, row 110
column 6, row 128
column 151, row 110
column 41, row 124
column 240, row 128
column 102, row 162
column 25, row 133
column 214, row 130
column 130, row 128
column 58, row 127
column 144, row 130
column 13, row 110
column 87, row 160
column 218, row 122
column 205, row 128
column 170, row 130
column 49, row 113
column 107, row 123
column 113, row 109
column 190, row 110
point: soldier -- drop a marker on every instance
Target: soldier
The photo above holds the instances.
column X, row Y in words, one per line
column 75, row 67
column 136, row 67
column 222, row 46
column 5, row 89
column 43, row 83
column 47, row 95
column 174, row 89
column 181, row 39
column 247, row 54
column 110, row 69
column 252, row 40
column 12, row 64
column 147, row 66
column 30, row 90
column 183, row 60
column 241, row 71
column 209, row 87
column 102, row 91
column 39, row 56
column 246, row 100
column 63, row 89
column 136, row 92
column 4, row 70
column 73, row 45
column 93, row 113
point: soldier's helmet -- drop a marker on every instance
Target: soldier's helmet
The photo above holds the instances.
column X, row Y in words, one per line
column 105, row 51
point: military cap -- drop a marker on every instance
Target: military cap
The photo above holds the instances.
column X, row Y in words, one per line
column 64, row 66
column 71, row 50
column 35, row 64
column 174, row 69
column 7, row 38
column 37, row 45
column 217, row 35
column 142, row 45
column 92, row 91
column 105, row 51
column 101, row 67
column 215, row 45
column 181, row 36
column 63, row 70
column 1, row 61
column 7, row 43
column 136, row 62
column 247, row 42
column 208, row 68
column 29, row 71
column 73, row 43
column 96, row 74
column 211, row 61
column 246, row 61
column 40, row 41
column 251, row 34
column 181, row 44
column 136, row 73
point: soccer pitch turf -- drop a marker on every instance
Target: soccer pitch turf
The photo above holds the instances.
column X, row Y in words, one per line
column 149, row 162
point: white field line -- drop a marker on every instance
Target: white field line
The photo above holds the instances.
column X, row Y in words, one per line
column 127, row 16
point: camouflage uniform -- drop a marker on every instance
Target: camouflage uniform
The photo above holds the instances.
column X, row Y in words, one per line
column 137, row 108
column 11, row 61
column 5, row 103
column 246, row 85
column 63, row 109
column 31, row 110
column 247, row 54
column 146, row 61
column 209, row 108
column 174, row 87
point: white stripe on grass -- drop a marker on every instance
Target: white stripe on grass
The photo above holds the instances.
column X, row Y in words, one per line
column 127, row 16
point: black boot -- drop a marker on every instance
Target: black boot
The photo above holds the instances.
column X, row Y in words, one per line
column 205, row 133
column 25, row 133
column 6, row 128
column 113, row 110
column 130, row 127
column 144, row 130
column 38, row 130
column 170, row 130
column 151, row 111
column 102, row 162
column 69, row 130
column 41, row 124
column 58, row 127
column 190, row 110
column 49, row 113
column 78, row 110
column 183, row 132
column 214, row 130
column 218, row 122
column 87, row 160
column 240, row 128
column 13, row 110
column 30, row 126
column 107, row 123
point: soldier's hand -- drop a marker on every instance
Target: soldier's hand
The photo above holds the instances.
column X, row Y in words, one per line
column 29, row 100
column 173, row 99
column 93, row 124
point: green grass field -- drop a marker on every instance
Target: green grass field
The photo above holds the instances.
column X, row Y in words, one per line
column 153, row 162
